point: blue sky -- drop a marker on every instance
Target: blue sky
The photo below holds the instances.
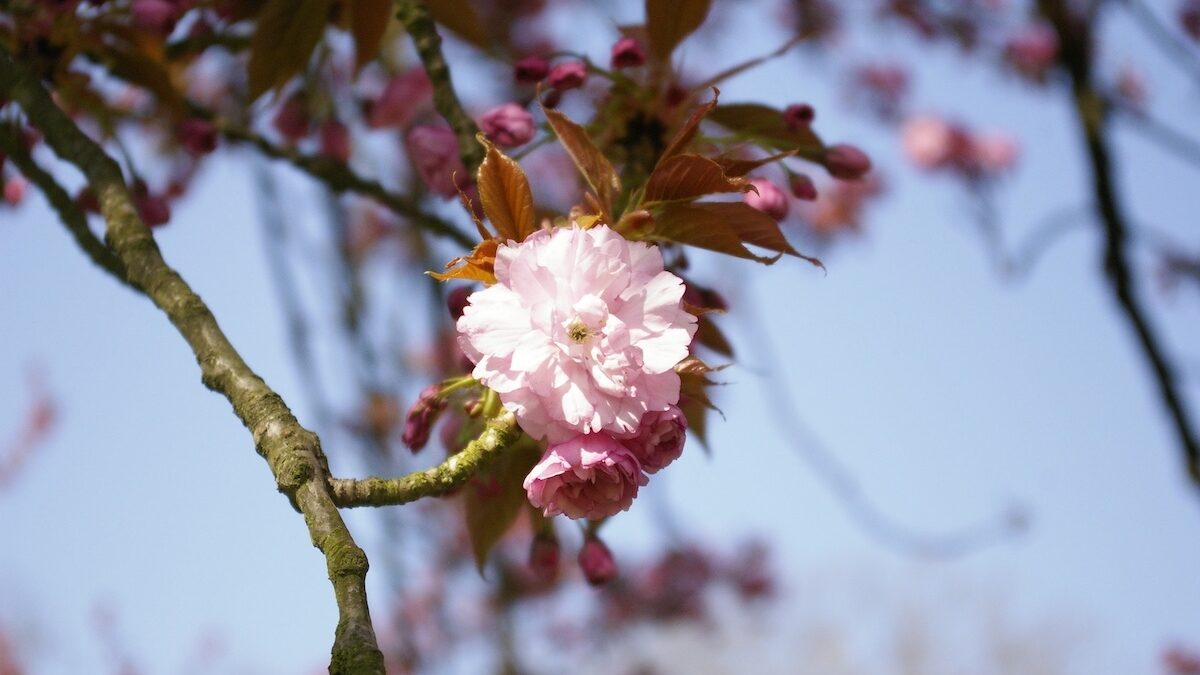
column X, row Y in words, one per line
column 949, row 392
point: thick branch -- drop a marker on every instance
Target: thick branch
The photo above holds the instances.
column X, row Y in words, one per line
column 70, row 214
column 340, row 178
column 415, row 17
column 1094, row 122
column 292, row 452
column 499, row 434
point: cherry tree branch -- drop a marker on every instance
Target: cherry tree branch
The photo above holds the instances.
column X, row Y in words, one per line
column 341, row 178
column 292, row 451
column 1178, row 52
column 421, row 27
column 1094, row 119
column 499, row 435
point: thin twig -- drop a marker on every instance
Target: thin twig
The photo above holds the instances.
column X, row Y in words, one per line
column 292, row 452
column 1168, row 138
column 1178, row 52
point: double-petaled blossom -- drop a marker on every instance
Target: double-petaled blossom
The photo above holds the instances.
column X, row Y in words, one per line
column 580, row 333
column 570, row 75
column 508, row 125
column 590, row 476
column 659, row 440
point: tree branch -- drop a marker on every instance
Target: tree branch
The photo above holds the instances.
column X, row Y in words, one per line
column 421, row 27
column 340, row 178
column 292, row 452
column 1094, row 122
column 499, row 434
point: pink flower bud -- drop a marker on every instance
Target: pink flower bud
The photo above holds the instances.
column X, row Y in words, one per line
column 799, row 116
column 769, row 199
column 994, row 153
column 198, row 137
column 846, row 162
column 590, row 476
column 154, row 16
column 1031, row 52
column 565, row 76
column 659, row 439
column 627, row 53
column 14, row 190
column 421, row 418
column 335, row 139
column 434, row 153
column 291, row 119
column 403, row 97
column 153, row 209
column 456, row 300
column 508, row 125
column 928, row 141
column 597, row 562
column 531, row 69
column 802, row 187
column 543, row 557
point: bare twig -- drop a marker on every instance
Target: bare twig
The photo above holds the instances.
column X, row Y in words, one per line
column 1178, row 52
column 292, row 452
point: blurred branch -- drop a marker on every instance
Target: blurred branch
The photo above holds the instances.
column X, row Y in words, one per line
column 1020, row 262
column 292, row 452
column 340, row 178
column 38, row 422
column 499, row 434
column 1177, row 51
column 415, row 17
column 845, row 486
column 71, row 215
column 1093, row 115
column 1170, row 139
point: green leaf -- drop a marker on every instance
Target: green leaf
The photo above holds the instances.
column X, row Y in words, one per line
column 494, row 498
column 592, row 163
column 668, row 22
column 369, row 21
column 688, row 177
column 765, row 125
column 504, row 191
column 285, row 35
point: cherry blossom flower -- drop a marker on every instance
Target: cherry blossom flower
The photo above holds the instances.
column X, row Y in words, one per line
column 434, row 152
column 769, row 199
column 508, row 125
column 580, row 334
column 660, row 439
column 589, row 476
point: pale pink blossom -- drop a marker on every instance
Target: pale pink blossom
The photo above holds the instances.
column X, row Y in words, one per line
column 508, row 125
column 928, row 141
column 405, row 96
column 769, row 198
column 994, row 152
column 580, row 334
column 659, row 440
column 434, row 152
column 589, row 476
column 14, row 190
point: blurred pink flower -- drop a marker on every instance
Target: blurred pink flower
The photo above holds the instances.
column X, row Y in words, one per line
column 569, row 75
column 580, row 334
column 659, row 440
column 531, row 69
column 627, row 53
column 197, row 136
column 1032, row 50
column 769, row 199
column 995, row 152
column 404, row 96
column 434, row 152
column 335, row 139
column 291, row 119
column 846, row 162
column 928, row 141
column 597, row 562
column 590, row 476
column 508, row 125
column 14, row 190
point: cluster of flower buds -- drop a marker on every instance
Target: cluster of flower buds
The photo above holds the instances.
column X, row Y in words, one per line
column 935, row 144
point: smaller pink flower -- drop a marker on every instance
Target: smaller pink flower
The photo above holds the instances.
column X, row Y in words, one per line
column 198, row 137
column 799, row 116
column 769, row 199
column 995, row 153
column 153, row 209
column 627, row 53
column 508, row 125
column 570, row 75
column 434, row 152
column 846, row 162
column 335, row 139
column 1032, row 50
column 403, row 97
column 928, row 141
column 597, row 562
column 422, row 416
column 590, row 476
column 531, row 69
column 14, row 190
column 660, row 439
column 543, row 557
column 292, row 120
column 154, row 16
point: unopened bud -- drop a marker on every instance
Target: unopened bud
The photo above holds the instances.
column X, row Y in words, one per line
column 846, row 162
column 422, row 416
column 627, row 53
column 597, row 562
column 531, row 69
column 566, row 76
column 802, row 187
column 769, row 199
column 799, row 116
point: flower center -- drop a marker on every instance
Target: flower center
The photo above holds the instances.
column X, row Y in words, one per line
column 578, row 331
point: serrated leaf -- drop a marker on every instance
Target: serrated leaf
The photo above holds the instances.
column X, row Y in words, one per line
column 595, row 167
column 285, row 35
column 668, row 22
column 494, row 498
column 687, row 177
column 460, row 17
column 750, row 226
column 479, row 266
column 688, row 131
column 504, row 191
column 696, row 225
column 735, row 166
column 368, row 23
column 766, row 125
